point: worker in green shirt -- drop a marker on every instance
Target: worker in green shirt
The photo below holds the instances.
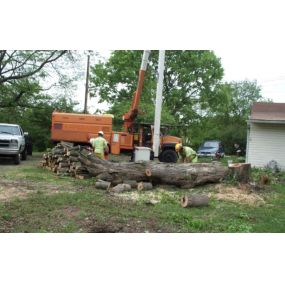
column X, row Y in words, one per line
column 99, row 145
column 186, row 153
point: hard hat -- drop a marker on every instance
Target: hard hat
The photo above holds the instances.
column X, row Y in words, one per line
column 101, row 133
column 178, row 146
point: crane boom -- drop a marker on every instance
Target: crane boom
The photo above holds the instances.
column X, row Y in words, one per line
column 130, row 116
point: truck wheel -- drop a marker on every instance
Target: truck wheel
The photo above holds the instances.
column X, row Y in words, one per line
column 30, row 150
column 24, row 154
column 17, row 159
column 168, row 155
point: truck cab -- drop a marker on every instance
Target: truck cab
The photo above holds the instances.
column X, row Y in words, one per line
column 12, row 142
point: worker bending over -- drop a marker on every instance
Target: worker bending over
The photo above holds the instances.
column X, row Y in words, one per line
column 99, row 145
column 186, row 153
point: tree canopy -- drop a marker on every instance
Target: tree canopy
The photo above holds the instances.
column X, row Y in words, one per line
column 189, row 81
column 194, row 96
column 196, row 101
column 24, row 98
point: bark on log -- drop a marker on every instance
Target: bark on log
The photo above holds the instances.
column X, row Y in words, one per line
column 143, row 186
column 121, row 188
column 186, row 175
column 133, row 183
column 194, row 200
column 103, row 185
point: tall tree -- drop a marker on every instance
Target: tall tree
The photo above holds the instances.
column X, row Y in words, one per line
column 25, row 86
column 228, row 120
column 15, row 65
column 20, row 73
column 190, row 77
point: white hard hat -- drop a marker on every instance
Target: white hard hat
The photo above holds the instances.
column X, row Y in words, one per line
column 101, row 133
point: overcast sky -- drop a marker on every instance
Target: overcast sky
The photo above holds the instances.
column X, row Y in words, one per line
column 265, row 66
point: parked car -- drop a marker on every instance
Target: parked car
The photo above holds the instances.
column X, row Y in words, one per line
column 12, row 142
column 211, row 148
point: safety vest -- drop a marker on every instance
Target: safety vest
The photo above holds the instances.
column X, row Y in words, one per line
column 189, row 152
column 99, row 144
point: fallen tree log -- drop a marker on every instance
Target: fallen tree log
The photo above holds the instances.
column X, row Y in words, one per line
column 194, row 200
column 133, row 183
column 103, row 185
column 184, row 175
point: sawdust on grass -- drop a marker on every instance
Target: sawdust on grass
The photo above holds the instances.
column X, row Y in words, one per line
column 240, row 195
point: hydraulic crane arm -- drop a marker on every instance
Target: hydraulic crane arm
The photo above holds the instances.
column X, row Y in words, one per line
column 133, row 112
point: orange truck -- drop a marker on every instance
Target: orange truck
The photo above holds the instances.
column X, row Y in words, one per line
column 79, row 128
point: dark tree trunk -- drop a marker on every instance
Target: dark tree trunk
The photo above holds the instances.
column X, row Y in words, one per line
column 184, row 175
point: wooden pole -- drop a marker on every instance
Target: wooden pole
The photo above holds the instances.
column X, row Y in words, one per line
column 86, row 85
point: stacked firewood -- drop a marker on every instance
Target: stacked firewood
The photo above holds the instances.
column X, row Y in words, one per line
column 63, row 160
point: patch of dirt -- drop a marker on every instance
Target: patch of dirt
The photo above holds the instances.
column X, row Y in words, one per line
column 69, row 212
column 133, row 225
column 237, row 194
column 21, row 188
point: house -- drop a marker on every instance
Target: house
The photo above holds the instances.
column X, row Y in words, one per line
column 266, row 134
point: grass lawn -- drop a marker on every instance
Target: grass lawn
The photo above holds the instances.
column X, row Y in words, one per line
column 33, row 199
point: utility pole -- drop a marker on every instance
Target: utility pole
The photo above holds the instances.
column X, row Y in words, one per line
column 86, row 85
column 158, row 103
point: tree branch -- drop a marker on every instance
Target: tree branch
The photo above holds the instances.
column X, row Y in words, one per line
column 2, row 55
column 6, row 61
column 14, row 68
column 45, row 62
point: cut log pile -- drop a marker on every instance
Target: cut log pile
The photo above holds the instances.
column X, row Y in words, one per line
column 63, row 160
column 80, row 162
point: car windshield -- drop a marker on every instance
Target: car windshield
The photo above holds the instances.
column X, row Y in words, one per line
column 12, row 130
column 210, row 144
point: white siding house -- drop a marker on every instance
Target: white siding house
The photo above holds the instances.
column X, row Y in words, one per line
column 266, row 134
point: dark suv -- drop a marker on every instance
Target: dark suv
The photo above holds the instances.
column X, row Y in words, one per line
column 211, row 148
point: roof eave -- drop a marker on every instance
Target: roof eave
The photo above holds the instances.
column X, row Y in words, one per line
column 280, row 122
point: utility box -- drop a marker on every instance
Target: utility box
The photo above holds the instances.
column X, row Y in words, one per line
column 142, row 153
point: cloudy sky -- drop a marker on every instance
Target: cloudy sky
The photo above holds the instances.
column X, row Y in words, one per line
column 267, row 67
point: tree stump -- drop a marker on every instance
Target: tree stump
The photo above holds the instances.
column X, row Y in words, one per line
column 194, row 200
column 240, row 171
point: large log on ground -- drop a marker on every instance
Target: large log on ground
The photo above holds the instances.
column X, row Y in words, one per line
column 194, row 200
column 185, row 175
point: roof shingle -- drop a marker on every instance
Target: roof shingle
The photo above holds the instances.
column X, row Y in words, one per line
column 268, row 111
